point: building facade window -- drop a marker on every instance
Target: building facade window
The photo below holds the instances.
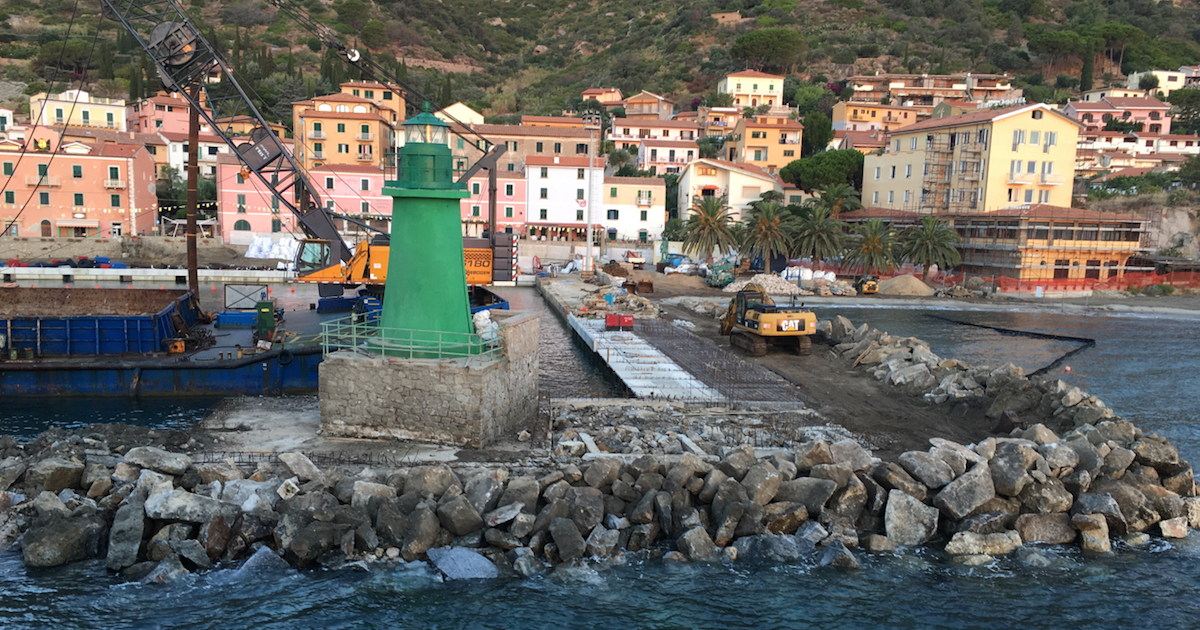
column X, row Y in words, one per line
column 79, row 199
column 114, row 201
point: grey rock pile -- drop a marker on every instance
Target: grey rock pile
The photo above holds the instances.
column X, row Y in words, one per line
column 907, row 363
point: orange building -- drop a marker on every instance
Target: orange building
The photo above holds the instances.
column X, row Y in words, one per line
column 75, row 189
column 341, row 129
column 388, row 99
column 648, row 105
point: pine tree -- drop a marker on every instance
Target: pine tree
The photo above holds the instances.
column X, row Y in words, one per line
column 106, row 62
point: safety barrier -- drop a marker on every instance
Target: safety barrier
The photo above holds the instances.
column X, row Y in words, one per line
column 362, row 335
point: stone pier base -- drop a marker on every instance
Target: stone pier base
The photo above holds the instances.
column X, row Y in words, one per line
column 460, row 402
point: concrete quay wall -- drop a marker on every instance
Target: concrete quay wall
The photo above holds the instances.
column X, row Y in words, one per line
column 470, row 402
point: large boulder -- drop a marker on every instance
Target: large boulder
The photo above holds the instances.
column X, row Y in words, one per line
column 738, row 462
column 929, row 470
column 1045, row 498
column 1047, row 528
column 1009, row 471
column 125, row 537
column 158, row 460
column 57, row 541
column 181, row 505
column 837, row 555
column 1093, row 533
column 768, row 548
column 963, row 495
column 602, row 473
column 168, row 570
column 459, row 517
column 892, row 477
column 586, row 507
column 523, row 489
column 761, row 482
column 567, row 538
column 1090, row 503
column 1158, row 453
column 52, row 475
column 462, row 564
column 433, row 479
column 907, row 520
column 367, row 493
column 696, row 544
column 814, row 453
column 850, row 453
column 315, row 539
column 603, row 542
column 483, row 491
column 971, row 544
column 811, row 492
column 421, row 534
column 689, row 466
column 302, row 468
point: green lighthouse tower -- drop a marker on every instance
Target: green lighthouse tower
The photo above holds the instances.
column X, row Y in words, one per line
column 426, row 281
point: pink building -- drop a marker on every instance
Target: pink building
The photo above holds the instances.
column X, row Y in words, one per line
column 1153, row 114
column 246, row 210
column 510, row 204
column 75, row 189
column 162, row 112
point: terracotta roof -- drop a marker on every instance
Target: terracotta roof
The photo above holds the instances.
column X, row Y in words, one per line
column 1134, row 102
column 1178, row 136
column 313, row 113
column 116, row 137
column 665, row 124
column 791, row 124
column 339, row 97
column 575, row 162
column 118, row 150
column 636, row 181
column 517, row 130
column 553, row 119
column 737, row 166
column 980, row 116
column 753, row 74
column 873, row 138
column 1048, row 212
column 370, row 84
column 651, row 95
column 601, row 90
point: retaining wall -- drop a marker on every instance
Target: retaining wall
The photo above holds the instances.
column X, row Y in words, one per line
column 461, row 402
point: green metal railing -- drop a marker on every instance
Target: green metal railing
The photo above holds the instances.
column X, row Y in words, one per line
column 366, row 338
column 439, row 172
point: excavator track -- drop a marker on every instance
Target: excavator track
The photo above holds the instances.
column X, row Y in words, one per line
column 752, row 344
column 804, row 345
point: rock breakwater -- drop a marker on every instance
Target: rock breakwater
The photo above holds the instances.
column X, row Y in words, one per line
column 155, row 515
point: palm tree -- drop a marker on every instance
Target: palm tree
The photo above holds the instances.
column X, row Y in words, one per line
column 819, row 236
column 768, row 232
column 930, row 242
column 840, row 198
column 708, row 227
column 875, row 248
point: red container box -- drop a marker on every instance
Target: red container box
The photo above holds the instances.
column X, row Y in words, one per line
column 626, row 322
column 105, row 266
column 612, row 322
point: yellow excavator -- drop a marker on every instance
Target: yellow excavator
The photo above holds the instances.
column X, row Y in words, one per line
column 753, row 321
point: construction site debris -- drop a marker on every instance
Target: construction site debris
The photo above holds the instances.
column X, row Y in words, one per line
column 772, row 283
column 905, row 285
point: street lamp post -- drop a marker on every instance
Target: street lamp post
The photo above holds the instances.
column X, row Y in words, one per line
column 591, row 122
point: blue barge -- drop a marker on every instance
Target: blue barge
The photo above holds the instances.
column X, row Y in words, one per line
column 146, row 342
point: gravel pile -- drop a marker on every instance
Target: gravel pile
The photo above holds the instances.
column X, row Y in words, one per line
column 772, row 283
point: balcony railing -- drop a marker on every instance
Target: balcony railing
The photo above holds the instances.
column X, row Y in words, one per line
column 58, row 120
column 1052, row 178
column 1021, row 178
column 643, row 201
column 42, row 180
column 365, row 157
column 365, row 137
column 114, row 183
column 318, row 155
column 788, row 141
column 317, row 135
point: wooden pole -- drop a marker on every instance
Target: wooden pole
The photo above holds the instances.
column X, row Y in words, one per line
column 193, row 174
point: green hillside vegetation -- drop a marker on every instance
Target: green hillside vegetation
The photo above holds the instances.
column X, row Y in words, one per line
column 535, row 56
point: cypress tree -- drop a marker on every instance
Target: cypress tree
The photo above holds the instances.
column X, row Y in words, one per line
column 106, row 62
column 1086, row 75
column 135, row 82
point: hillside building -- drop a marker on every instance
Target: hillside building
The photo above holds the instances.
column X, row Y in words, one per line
column 1153, row 114
column 978, row 162
column 341, row 129
column 1168, row 81
column 77, row 108
column 850, row 116
column 649, row 106
column 740, row 184
column 661, row 156
column 924, row 91
column 769, row 146
column 627, row 133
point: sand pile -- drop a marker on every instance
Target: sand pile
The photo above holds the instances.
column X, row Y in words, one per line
column 773, row 284
column 905, row 285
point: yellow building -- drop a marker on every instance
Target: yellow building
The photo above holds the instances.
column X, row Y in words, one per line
column 767, row 145
column 387, row 99
column 848, row 116
column 977, row 162
column 243, row 125
column 340, row 129
column 649, row 106
column 751, row 88
column 76, row 108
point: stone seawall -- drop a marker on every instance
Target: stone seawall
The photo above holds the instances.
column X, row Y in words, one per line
column 469, row 402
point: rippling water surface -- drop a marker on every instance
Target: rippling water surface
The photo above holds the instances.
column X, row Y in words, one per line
column 1144, row 367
